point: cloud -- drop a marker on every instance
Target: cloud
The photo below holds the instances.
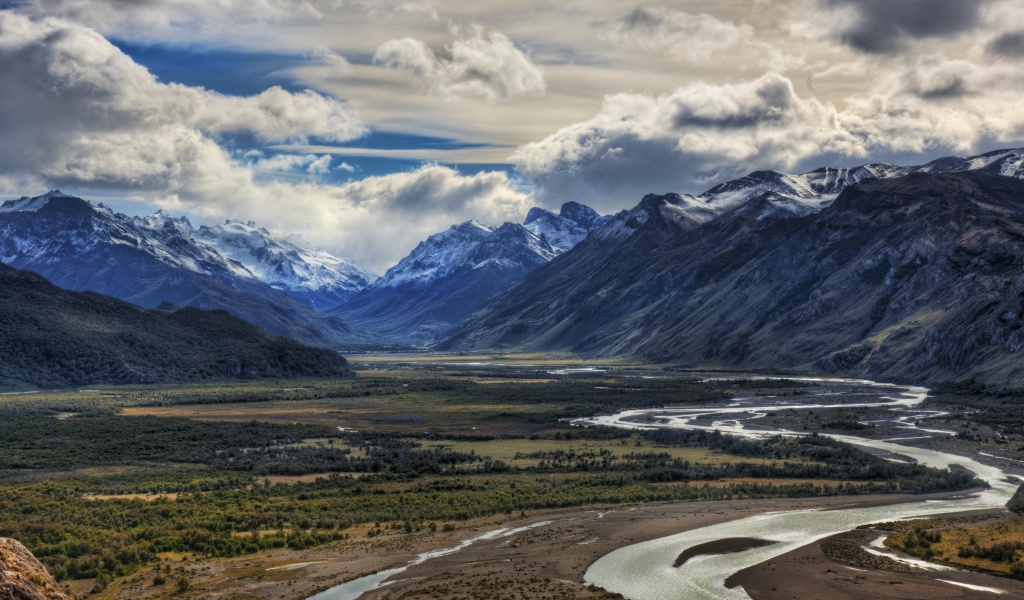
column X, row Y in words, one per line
column 483, row 65
column 324, row 56
column 933, row 103
column 310, row 164
column 702, row 134
column 77, row 108
column 68, row 93
column 14, row 186
column 320, row 166
column 683, row 141
column 376, row 220
column 1009, row 44
column 80, row 115
column 682, row 36
column 884, row 26
column 932, row 78
column 177, row 20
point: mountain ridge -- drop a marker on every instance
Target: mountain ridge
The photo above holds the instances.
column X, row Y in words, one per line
column 451, row 273
column 148, row 261
column 56, row 338
column 641, row 284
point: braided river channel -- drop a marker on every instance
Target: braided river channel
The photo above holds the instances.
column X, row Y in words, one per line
column 646, row 571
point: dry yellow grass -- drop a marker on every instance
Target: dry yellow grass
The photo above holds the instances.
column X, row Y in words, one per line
column 984, row 535
column 106, row 471
column 518, row 358
column 359, row 414
column 491, row 381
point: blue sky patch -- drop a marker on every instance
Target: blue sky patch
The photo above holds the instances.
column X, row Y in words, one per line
column 229, row 72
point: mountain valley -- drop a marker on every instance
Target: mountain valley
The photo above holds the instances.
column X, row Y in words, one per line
column 881, row 271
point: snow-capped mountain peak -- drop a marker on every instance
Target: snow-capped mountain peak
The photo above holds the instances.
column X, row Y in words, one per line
column 232, row 250
column 764, row 194
column 305, row 272
column 733, row 193
column 566, row 229
column 31, row 204
column 161, row 221
column 446, row 277
column 437, row 256
column 582, row 215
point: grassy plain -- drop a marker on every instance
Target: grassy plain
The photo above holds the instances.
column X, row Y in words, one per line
column 105, row 484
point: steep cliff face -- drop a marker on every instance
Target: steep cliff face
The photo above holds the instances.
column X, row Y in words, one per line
column 22, row 577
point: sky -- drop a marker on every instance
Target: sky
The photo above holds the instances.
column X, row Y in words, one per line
column 367, row 125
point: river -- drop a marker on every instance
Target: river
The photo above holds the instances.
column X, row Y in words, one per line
column 357, row 587
column 644, row 571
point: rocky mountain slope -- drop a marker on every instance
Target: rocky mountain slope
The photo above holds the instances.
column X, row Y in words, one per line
column 53, row 338
column 567, row 228
column 807, row 193
column 303, row 271
column 22, row 577
column 912, row 276
column 158, row 259
column 454, row 272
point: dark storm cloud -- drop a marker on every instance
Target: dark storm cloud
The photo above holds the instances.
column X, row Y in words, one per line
column 1008, row 44
column 641, row 18
column 880, row 26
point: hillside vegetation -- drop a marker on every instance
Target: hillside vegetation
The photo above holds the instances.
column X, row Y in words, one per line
column 54, row 338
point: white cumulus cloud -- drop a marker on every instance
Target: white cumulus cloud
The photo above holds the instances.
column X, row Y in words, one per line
column 80, row 115
column 695, row 136
column 376, row 220
column 311, row 164
column 177, row 20
column 77, row 107
column 932, row 102
column 483, row 65
column 324, row 56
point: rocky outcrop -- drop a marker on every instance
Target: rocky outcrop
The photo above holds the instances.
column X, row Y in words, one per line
column 22, row 577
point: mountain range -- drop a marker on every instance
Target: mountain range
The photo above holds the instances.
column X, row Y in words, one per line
column 912, row 274
column 284, row 285
column 156, row 260
column 882, row 271
column 452, row 273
